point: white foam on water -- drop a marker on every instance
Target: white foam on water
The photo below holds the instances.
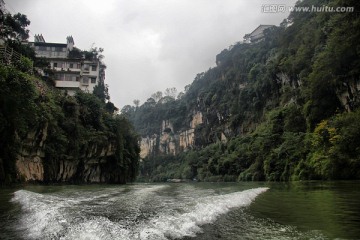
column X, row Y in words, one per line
column 54, row 217
column 46, row 216
column 42, row 215
column 206, row 210
column 99, row 228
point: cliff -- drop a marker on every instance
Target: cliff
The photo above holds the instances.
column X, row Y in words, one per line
column 47, row 136
column 278, row 109
column 170, row 141
column 92, row 166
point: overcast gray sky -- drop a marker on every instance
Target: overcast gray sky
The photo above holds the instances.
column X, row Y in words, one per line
column 150, row 45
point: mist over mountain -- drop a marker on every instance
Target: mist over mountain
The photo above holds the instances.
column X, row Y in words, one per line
column 282, row 107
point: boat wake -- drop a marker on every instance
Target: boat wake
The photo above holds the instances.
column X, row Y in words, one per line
column 206, row 210
column 152, row 214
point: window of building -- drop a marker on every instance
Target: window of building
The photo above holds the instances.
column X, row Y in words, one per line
column 70, row 77
column 55, row 64
column 93, row 68
column 86, row 67
column 71, row 65
column 85, row 80
column 93, row 80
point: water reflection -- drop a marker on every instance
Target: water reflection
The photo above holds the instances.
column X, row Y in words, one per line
column 332, row 207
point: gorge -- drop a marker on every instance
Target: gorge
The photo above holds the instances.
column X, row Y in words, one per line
column 285, row 107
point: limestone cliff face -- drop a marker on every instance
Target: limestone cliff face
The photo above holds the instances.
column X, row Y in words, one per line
column 348, row 94
column 30, row 169
column 29, row 161
column 93, row 166
column 147, row 146
column 196, row 120
column 187, row 139
column 169, row 141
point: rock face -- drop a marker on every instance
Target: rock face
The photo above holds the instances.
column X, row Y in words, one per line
column 30, row 169
column 169, row 141
column 196, row 120
column 29, row 161
column 147, row 146
column 187, row 139
column 93, row 166
column 348, row 94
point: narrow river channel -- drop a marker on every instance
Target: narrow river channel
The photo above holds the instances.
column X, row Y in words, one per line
column 311, row 210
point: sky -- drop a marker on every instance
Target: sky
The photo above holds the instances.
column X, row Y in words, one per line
column 149, row 45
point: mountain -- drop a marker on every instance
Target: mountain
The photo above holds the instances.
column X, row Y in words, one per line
column 285, row 107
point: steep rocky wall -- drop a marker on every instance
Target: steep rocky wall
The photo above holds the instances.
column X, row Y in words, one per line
column 29, row 161
column 91, row 167
column 147, row 146
column 187, row 139
column 169, row 141
column 348, row 94
column 196, row 120
column 30, row 169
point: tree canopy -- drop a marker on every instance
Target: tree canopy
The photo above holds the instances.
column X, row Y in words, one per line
column 284, row 105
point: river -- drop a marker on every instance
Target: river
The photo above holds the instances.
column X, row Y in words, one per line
column 205, row 211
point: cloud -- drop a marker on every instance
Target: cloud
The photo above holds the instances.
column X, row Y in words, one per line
column 150, row 45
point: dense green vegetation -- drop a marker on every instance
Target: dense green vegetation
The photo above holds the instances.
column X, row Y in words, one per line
column 288, row 105
column 33, row 114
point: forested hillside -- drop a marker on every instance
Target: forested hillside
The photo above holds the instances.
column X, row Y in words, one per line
column 48, row 136
column 285, row 108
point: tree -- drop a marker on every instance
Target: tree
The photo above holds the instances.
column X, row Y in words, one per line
column 127, row 110
column 136, row 102
column 180, row 95
column 150, row 102
column 75, row 53
column 157, row 96
column 111, row 108
column 102, row 91
column 171, row 92
column 14, row 27
column 94, row 54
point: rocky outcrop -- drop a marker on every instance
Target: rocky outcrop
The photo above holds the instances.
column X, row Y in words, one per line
column 30, row 169
column 29, row 163
column 147, row 146
column 186, row 139
column 196, row 120
column 169, row 141
column 349, row 94
column 92, row 166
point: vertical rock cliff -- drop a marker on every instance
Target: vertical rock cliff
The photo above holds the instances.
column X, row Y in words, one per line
column 170, row 141
column 93, row 165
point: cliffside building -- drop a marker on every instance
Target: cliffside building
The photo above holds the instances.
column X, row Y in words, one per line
column 257, row 35
column 72, row 71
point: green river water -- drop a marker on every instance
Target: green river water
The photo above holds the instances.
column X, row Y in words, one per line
column 249, row 210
